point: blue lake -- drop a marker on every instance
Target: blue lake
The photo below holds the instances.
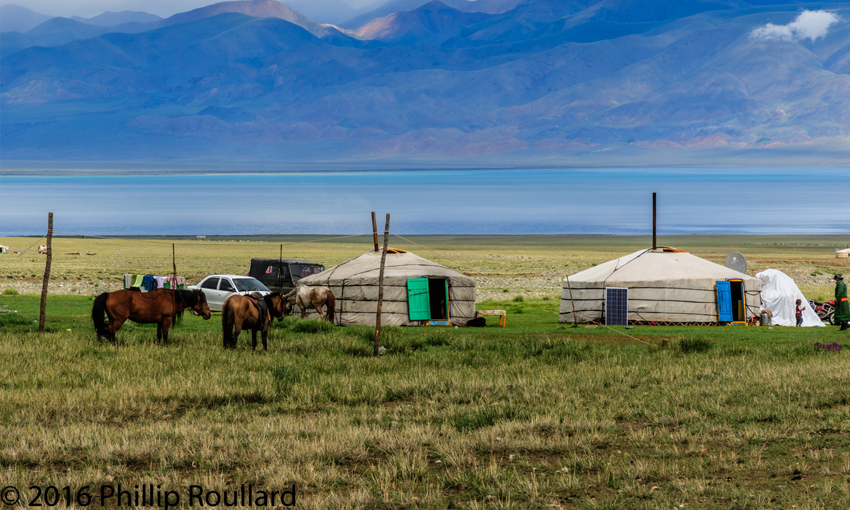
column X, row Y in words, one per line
column 591, row 201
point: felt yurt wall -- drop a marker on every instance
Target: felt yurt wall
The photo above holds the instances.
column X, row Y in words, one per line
column 665, row 285
column 355, row 287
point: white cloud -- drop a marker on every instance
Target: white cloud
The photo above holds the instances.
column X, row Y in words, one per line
column 808, row 25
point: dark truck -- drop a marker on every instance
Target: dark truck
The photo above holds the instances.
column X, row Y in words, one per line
column 282, row 275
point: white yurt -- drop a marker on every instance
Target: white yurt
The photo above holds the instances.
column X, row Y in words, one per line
column 417, row 292
column 779, row 294
column 663, row 286
column 842, row 254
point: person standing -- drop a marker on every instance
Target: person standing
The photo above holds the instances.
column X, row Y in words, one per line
column 842, row 306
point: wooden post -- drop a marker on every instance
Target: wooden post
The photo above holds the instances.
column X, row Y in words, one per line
column 43, row 311
column 280, row 271
column 173, row 259
column 381, row 286
column 575, row 317
column 654, row 244
column 375, row 230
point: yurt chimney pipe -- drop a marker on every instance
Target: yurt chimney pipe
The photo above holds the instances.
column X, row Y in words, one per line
column 654, row 244
column 375, row 230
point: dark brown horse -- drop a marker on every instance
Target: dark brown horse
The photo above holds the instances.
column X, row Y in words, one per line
column 244, row 312
column 160, row 306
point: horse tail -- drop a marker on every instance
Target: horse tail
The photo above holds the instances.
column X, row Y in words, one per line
column 331, row 302
column 227, row 319
column 98, row 315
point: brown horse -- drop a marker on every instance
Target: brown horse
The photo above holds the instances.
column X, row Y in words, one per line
column 315, row 297
column 160, row 306
column 244, row 312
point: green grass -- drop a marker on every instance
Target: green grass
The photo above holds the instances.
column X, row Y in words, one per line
column 534, row 415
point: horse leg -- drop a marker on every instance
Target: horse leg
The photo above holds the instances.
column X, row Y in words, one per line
column 320, row 307
column 159, row 331
column 114, row 325
column 254, row 340
column 265, row 339
column 302, row 307
column 164, row 324
column 237, row 328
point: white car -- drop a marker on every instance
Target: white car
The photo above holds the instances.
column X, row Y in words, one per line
column 218, row 287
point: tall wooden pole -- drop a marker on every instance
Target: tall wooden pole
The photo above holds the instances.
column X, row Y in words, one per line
column 375, row 230
column 43, row 311
column 280, row 271
column 381, row 286
column 654, row 243
column 174, row 259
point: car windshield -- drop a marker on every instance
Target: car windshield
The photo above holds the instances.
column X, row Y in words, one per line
column 249, row 285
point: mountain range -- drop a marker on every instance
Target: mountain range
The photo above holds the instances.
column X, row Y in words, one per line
column 494, row 82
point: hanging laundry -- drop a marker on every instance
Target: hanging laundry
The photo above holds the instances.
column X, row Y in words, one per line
column 128, row 281
column 148, row 283
column 160, row 282
column 137, row 280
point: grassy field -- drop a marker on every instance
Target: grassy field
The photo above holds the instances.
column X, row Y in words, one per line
column 530, row 265
column 535, row 415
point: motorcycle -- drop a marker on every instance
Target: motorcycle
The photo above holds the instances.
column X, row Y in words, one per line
column 825, row 311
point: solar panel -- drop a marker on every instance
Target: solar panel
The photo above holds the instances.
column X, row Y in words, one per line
column 616, row 306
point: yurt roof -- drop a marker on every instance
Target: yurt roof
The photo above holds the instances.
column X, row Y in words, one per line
column 666, row 264
column 399, row 263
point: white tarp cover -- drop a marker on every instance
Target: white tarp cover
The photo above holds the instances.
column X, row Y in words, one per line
column 355, row 287
column 664, row 286
column 779, row 294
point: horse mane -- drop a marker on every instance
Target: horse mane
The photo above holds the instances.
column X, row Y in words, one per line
column 184, row 299
column 268, row 299
column 187, row 298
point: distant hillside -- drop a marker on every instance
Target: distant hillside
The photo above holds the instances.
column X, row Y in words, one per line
column 410, row 26
column 255, row 8
column 394, row 6
column 108, row 19
column 326, row 11
column 605, row 81
column 14, row 18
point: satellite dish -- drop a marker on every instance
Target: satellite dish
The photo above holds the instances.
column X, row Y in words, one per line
column 736, row 261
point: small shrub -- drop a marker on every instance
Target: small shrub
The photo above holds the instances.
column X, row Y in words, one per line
column 9, row 291
column 519, row 299
column 505, row 291
column 689, row 345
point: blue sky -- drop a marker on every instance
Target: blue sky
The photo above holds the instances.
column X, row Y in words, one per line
column 164, row 8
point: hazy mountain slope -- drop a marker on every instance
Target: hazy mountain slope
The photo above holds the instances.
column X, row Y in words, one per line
column 58, row 30
column 108, row 19
column 327, row 11
column 14, row 18
column 255, row 8
column 13, row 42
column 546, row 77
column 410, row 26
column 394, row 6
column 166, row 58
